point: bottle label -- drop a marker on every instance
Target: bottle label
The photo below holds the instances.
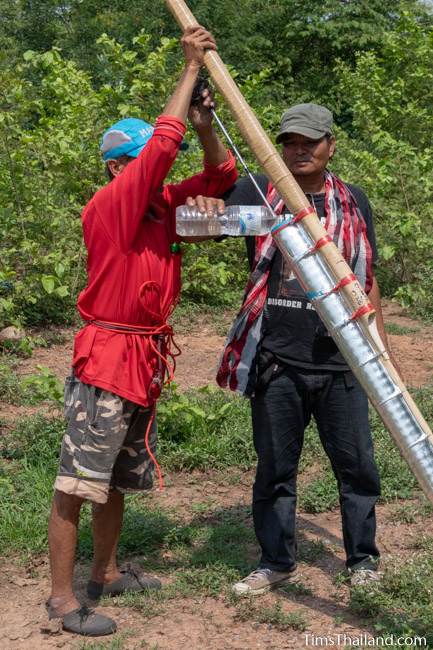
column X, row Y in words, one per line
column 249, row 223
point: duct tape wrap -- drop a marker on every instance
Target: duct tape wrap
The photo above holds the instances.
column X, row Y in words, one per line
column 367, row 361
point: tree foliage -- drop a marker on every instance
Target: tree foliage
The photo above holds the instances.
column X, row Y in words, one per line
column 50, row 166
column 299, row 40
column 389, row 152
column 79, row 66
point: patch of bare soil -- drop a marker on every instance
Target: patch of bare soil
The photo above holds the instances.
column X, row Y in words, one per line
column 413, row 350
column 211, row 623
column 198, row 362
column 56, row 358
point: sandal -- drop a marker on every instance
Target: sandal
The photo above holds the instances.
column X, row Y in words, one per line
column 130, row 580
column 84, row 621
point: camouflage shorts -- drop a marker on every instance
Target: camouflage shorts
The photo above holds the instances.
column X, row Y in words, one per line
column 104, row 444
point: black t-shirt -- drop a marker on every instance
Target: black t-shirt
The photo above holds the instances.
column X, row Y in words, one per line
column 292, row 332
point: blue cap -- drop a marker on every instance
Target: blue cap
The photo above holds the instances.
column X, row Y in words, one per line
column 127, row 137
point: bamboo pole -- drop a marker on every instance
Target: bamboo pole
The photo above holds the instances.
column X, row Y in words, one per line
column 268, row 157
column 294, row 198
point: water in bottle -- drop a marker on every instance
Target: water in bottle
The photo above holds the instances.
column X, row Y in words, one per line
column 237, row 221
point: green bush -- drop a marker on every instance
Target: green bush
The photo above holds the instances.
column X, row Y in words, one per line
column 214, row 274
column 204, row 429
column 388, row 152
column 42, row 386
column 53, row 113
column 50, row 166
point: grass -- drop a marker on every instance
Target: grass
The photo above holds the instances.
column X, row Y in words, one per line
column 394, row 328
column 33, row 389
column 311, row 551
column 204, row 547
column 296, row 589
column 23, row 348
column 423, row 543
column 402, row 604
column 197, row 315
column 320, row 493
column 207, row 430
column 410, row 512
column 113, row 643
column 50, row 336
column 28, row 463
column 275, row 617
column 248, row 609
column 10, row 386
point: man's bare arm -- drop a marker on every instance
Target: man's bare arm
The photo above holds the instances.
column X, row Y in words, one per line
column 195, row 41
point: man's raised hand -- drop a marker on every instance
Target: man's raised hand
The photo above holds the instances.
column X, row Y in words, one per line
column 195, row 41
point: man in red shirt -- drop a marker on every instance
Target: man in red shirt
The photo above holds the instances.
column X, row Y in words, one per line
column 120, row 356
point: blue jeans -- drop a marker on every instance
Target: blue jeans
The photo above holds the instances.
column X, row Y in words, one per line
column 280, row 413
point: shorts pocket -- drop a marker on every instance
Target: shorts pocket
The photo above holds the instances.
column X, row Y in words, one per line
column 70, row 393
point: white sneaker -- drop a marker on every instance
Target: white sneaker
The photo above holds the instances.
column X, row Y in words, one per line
column 361, row 577
column 262, row 580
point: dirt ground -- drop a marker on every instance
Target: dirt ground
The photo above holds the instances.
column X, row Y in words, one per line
column 209, row 623
column 201, row 348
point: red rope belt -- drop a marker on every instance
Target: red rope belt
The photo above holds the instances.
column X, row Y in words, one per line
column 162, row 343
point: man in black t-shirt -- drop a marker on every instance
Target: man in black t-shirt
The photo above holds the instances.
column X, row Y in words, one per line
column 298, row 371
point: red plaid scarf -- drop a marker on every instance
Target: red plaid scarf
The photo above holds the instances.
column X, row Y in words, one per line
column 345, row 224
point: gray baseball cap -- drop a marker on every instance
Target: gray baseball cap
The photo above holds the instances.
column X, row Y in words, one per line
column 311, row 120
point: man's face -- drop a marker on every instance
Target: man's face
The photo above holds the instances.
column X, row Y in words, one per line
column 304, row 156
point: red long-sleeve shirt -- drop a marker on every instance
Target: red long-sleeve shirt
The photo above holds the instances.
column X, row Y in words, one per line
column 129, row 227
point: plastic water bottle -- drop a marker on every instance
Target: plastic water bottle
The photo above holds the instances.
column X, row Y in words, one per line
column 237, row 221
